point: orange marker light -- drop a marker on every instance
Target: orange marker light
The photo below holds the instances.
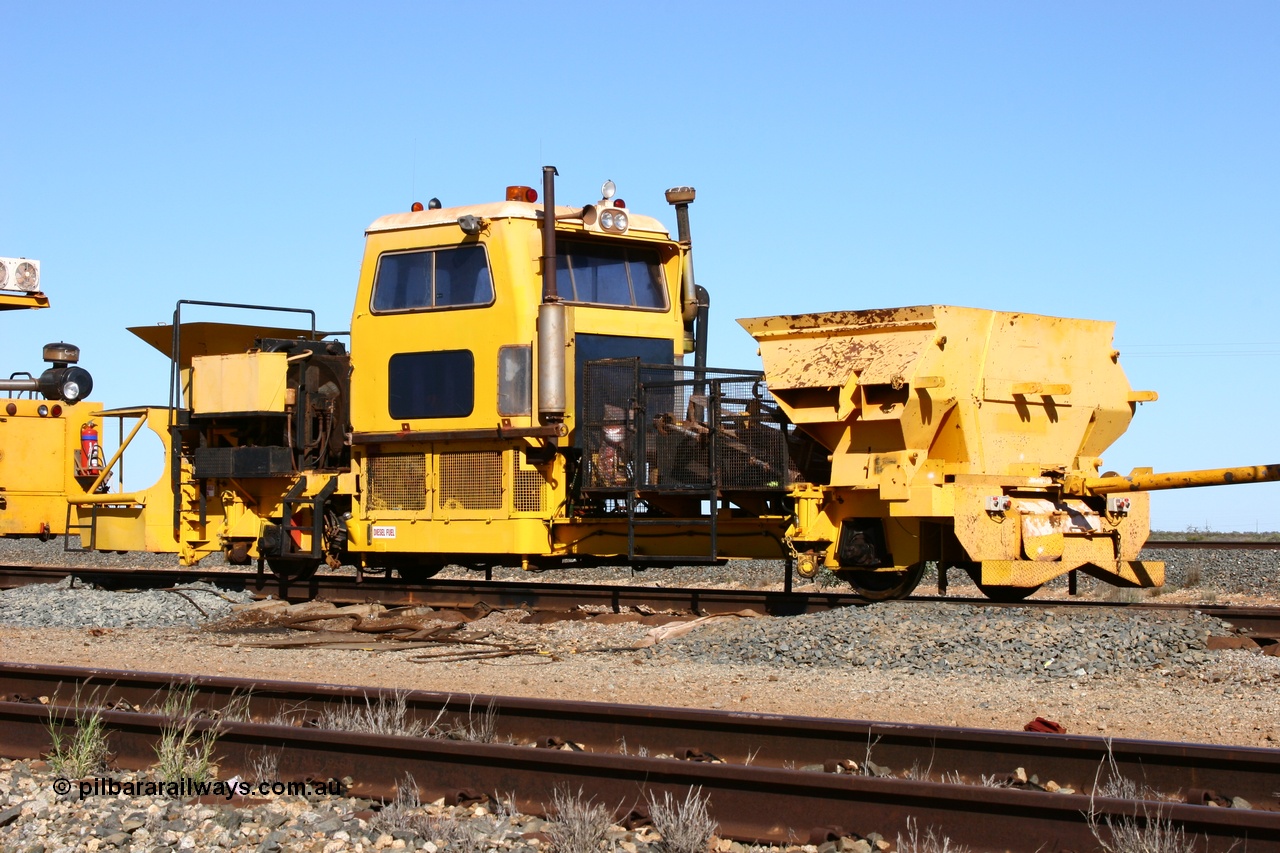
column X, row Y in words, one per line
column 417, row 207
column 518, row 193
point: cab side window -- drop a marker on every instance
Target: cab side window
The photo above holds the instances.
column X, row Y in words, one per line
column 451, row 277
column 438, row 384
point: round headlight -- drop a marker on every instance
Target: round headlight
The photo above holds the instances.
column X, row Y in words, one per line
column 606, row 220
column 42, row 410
column 620, row 221
column 4, row 275
column 71, row 391
column 26, row 278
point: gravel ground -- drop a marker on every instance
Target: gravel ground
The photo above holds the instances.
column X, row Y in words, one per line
column 961, row 637
column 1204, row 576
column 73, row 604
column 1123, row 673
column 35, row 819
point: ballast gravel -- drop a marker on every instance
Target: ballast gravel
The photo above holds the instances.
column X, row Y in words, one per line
column 35, row 819
column 73, row 604
column 950, row 638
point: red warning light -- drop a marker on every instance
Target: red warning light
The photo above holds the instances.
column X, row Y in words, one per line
column 417, row 207
column 617, row 202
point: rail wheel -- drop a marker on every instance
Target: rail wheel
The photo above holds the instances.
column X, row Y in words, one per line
column 1007, row 594
column 420, row 572
column 292, row 571
column 884, row 586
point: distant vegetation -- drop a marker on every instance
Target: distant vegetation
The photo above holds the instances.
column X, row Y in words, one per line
column 1203, row 534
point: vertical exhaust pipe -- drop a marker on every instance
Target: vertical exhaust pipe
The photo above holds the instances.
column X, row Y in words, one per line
column 680, row 198
column 552, row 331
column 695, row 301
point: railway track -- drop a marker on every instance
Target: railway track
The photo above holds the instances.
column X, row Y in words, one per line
column 1260, row 622
column 754, row 792
column 1212, row 545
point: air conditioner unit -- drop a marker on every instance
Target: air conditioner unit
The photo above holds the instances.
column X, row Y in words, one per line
column 20, row 275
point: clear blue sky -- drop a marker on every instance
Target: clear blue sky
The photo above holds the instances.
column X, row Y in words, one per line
column 1103, row 160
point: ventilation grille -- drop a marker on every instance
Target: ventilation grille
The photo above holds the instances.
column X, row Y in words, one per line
column 471, row 480
column 528, row 486
column 397, row 482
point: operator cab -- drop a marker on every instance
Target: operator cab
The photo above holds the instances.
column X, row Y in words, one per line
column 447, row 309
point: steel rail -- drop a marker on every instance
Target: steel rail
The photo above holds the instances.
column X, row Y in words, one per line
column 1211, row 545
column 1257, row 621
column 741, row 738
column 757, row 804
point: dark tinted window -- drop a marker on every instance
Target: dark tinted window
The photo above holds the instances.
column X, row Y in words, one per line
column 609, row 274
column 439, row 278
column 431, row 384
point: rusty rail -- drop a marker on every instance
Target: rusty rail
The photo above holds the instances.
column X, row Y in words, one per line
column 762, row 740
column 750, row 803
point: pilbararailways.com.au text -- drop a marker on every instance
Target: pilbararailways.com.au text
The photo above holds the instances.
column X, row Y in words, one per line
column 230, row 789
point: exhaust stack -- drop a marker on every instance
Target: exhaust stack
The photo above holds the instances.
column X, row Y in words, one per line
column 552, row 332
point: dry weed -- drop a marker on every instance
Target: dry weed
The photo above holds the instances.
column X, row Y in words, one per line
column 931, row 842
column 388, row 715
column 580, row 825
column 685, row 827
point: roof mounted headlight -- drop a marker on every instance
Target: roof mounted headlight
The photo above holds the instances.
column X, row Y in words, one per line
column 470, row 225
column 68, row 384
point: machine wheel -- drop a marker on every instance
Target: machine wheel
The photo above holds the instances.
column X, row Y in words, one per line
column 1008, row 594
column 884, row 586
column 419, row 573
column 293, row 571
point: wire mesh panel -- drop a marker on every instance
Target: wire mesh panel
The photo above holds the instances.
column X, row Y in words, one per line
column 526, row 484
column 610, row 409
column 664, row 428
column 470, row 480
column 751, row 450
column 396, row 481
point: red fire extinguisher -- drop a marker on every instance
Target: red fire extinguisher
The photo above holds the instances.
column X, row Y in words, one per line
column 90, row 450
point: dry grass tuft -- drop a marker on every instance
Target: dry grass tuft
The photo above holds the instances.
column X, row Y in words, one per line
column 82, row 752
column 406, row 812
column 931, row 842
column 580, row 825
column 479, row 728
column 184, row 752
column 388, row 715
column 685, row 827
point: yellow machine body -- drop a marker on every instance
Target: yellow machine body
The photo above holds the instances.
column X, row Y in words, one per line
column 477, row 476
column 488, row 413
column 950, row 433
column 39, row 462
column 40, row 450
